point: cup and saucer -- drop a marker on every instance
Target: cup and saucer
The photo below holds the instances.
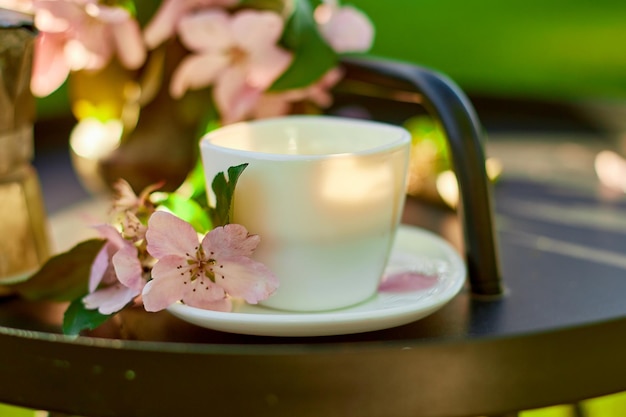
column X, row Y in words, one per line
column 431, row 273
column 325, row 195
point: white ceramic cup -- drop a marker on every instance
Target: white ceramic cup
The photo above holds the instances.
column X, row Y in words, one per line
column 325, row 194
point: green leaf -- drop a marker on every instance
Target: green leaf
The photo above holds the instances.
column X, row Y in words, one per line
column 188, row 210
column 63, row 277
column 144, row 10
column 224, row 190
column 78, row 318
column 195, row 180
column 313, row 57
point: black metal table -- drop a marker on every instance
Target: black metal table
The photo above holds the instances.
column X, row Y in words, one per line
column 556, row 335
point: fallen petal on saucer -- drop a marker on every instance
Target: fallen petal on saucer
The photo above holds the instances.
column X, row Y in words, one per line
column 407, row 281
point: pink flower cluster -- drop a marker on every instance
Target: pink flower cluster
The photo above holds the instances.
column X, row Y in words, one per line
column 81, row 35
column 163, row 262
column 235, row 51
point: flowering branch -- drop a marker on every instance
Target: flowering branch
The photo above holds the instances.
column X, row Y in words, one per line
column 150, row 256
column 241, row 50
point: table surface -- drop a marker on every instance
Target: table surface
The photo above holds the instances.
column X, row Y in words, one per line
column 557, row 335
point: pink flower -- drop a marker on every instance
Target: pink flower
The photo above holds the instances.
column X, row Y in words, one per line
column 81, row 35
column 126, row 199
column 278, row 104
column 203, row 274
column 345, row 28
column 116, row 276
column 408, row 281
column 163, row 24
column 319, row 92
column 237, row 54
column 129, row 209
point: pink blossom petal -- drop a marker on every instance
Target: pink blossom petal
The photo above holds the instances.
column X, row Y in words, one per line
column 128, row 268
column 108, row 14
column 91, row 34
column 90, row 46
column 266, row 65
column 272, row 105
column 47, row 22
column 320, row 97
column 278, row 104
column 203, row 293
column 125, row 197
column 348, row 30
column 56, row 16
column 164, row 21
column 102, row 30
column 129, row 44
column 111, row 299
column 234, row 98
column 230, row 240
column 331, row 77
column 49, row 67
column 163, row 24
column 99, row 268
column 244, row 278
column 206, row 31
column 162, row 292
column 257, row 30
column 177, row 269
column 102, row 271
column 171, row 284
column 408, row 281
column 132, row 227
column 169, row 235
column 196, row 71
column 319, row 92
column 111, row 234
column 223, row 304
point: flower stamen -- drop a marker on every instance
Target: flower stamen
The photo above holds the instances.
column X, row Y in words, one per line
column 225, row 248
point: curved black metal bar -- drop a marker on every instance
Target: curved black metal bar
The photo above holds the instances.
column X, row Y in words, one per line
column 445, row 101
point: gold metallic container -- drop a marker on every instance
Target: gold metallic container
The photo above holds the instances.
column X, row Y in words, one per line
column 24, row 242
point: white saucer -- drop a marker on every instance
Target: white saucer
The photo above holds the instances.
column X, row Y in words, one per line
column 415, row 250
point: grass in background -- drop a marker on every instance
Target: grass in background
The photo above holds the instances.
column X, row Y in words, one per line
column 558, row 49
column 12, row 411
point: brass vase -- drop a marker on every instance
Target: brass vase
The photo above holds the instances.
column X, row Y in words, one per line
column 136, row 131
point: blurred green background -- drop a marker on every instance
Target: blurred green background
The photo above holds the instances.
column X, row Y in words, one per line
column 555, row 49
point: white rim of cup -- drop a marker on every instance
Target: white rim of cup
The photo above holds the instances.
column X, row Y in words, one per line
column 403, row 138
